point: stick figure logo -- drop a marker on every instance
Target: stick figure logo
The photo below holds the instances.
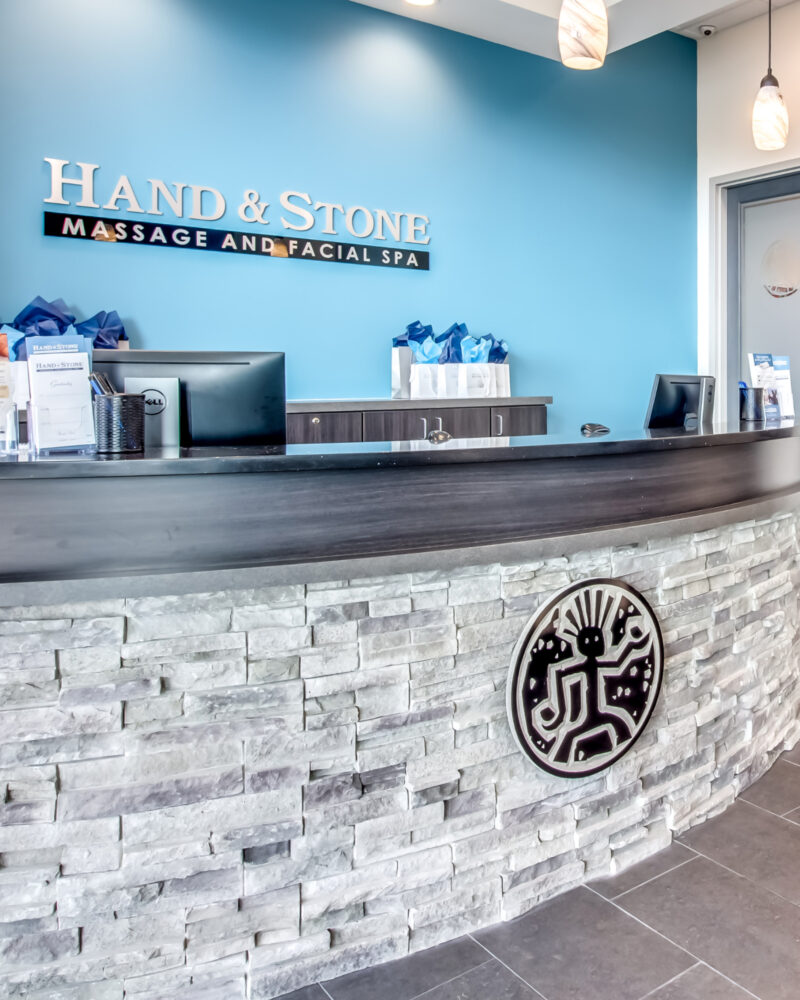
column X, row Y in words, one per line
column 585, row 677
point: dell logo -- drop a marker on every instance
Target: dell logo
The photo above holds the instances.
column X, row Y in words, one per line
column 154, row 402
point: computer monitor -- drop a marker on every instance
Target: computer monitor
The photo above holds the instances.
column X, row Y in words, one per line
column 681, row 401
column 227, row 397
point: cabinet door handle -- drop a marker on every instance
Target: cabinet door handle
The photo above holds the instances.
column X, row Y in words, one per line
column 424, row 426
column 439, row 422
column 499, row 424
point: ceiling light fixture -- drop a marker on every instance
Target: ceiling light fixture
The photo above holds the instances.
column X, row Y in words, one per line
column 770, row 117
column 583, row 33
column 421, row 3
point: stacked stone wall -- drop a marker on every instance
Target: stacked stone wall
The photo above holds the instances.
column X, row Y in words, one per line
column 235, row 794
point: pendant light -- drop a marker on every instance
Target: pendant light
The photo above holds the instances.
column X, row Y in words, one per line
column 770, row 117
column 583, row 33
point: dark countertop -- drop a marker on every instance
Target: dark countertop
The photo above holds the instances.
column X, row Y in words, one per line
column 207, row 511
column 360, row 405
column 380, row 455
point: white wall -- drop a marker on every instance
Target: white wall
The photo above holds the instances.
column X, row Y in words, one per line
column 730, row 67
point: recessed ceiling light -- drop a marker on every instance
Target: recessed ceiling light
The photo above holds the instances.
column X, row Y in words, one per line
column 421, row 3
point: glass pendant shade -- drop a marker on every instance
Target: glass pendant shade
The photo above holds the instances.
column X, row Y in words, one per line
column 770, row 116
column 583, row 33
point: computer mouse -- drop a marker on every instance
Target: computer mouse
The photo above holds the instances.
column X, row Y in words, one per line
column 439, row 437
column 594, row 430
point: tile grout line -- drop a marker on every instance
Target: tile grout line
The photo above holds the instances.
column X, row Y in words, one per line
column 508, row 967
column 452, row 979
column 613, row 901
column 752, row 881
column 649, row 880
column 769, row 812
column 670, row 981
column 733, row 982
column 643, row 924
column 676, row 945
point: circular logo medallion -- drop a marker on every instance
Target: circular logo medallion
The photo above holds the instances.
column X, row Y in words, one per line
column 585, row 677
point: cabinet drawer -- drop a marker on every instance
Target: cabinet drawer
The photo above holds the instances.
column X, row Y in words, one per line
column 323, row 428
column 396, row 425
column 414, row 424
column 518, row 421
column 463, row 421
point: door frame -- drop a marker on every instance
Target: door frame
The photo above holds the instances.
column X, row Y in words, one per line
column 720, row 347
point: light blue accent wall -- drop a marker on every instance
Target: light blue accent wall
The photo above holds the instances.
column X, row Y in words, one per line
column 562, row 204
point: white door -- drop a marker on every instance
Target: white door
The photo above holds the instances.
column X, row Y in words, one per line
column 770, row 282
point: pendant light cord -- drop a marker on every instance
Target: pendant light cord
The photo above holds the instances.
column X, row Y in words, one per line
column 769, row 70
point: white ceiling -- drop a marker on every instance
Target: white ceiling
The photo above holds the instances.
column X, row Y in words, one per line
column 530, row 25
column 727, row 15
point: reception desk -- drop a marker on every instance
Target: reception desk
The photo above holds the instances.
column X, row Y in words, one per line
column 254, row 728
column 201, row 511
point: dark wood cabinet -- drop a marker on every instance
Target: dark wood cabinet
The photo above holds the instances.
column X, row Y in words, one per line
column 415, row 424
column 332, row 421
column 324, row 428
column 396, row 425
column 463, row 421
column 518, row 421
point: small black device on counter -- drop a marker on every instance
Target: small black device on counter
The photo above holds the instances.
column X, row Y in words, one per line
column 593, row 430
column 685, row 401
column 439, row 437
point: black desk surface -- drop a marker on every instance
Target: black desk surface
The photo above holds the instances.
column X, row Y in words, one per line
column 383, row 455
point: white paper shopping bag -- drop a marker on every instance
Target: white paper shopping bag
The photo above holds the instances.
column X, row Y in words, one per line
column 424, row 381
column 401, row 372
column 448, row 381
column 476, row 381
column 502, row 378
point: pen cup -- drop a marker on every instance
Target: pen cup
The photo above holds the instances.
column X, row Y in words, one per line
column 119, row 423
column 751, row 405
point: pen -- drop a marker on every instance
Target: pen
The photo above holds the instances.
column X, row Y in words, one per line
column 101, row 385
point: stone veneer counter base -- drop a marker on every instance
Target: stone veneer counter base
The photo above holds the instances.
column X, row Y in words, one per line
column 230, row 794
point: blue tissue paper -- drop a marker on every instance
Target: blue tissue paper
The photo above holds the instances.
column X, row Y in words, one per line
column 415, row 333
column 451, row 343
column 498, row 352
column 105, row 329
column 427, row 352
column 40, row 318
column 455, row 346
column 475, row 351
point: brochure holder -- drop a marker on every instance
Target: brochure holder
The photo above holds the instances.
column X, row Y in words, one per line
column 60, row 407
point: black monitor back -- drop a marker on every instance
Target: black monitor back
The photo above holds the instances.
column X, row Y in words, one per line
column 681, row 401
column 227, row 397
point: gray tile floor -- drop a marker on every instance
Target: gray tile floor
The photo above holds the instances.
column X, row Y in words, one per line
column 714, row 917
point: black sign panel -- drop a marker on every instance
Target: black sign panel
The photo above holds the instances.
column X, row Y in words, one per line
column 152, row 234
column 585, row 677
